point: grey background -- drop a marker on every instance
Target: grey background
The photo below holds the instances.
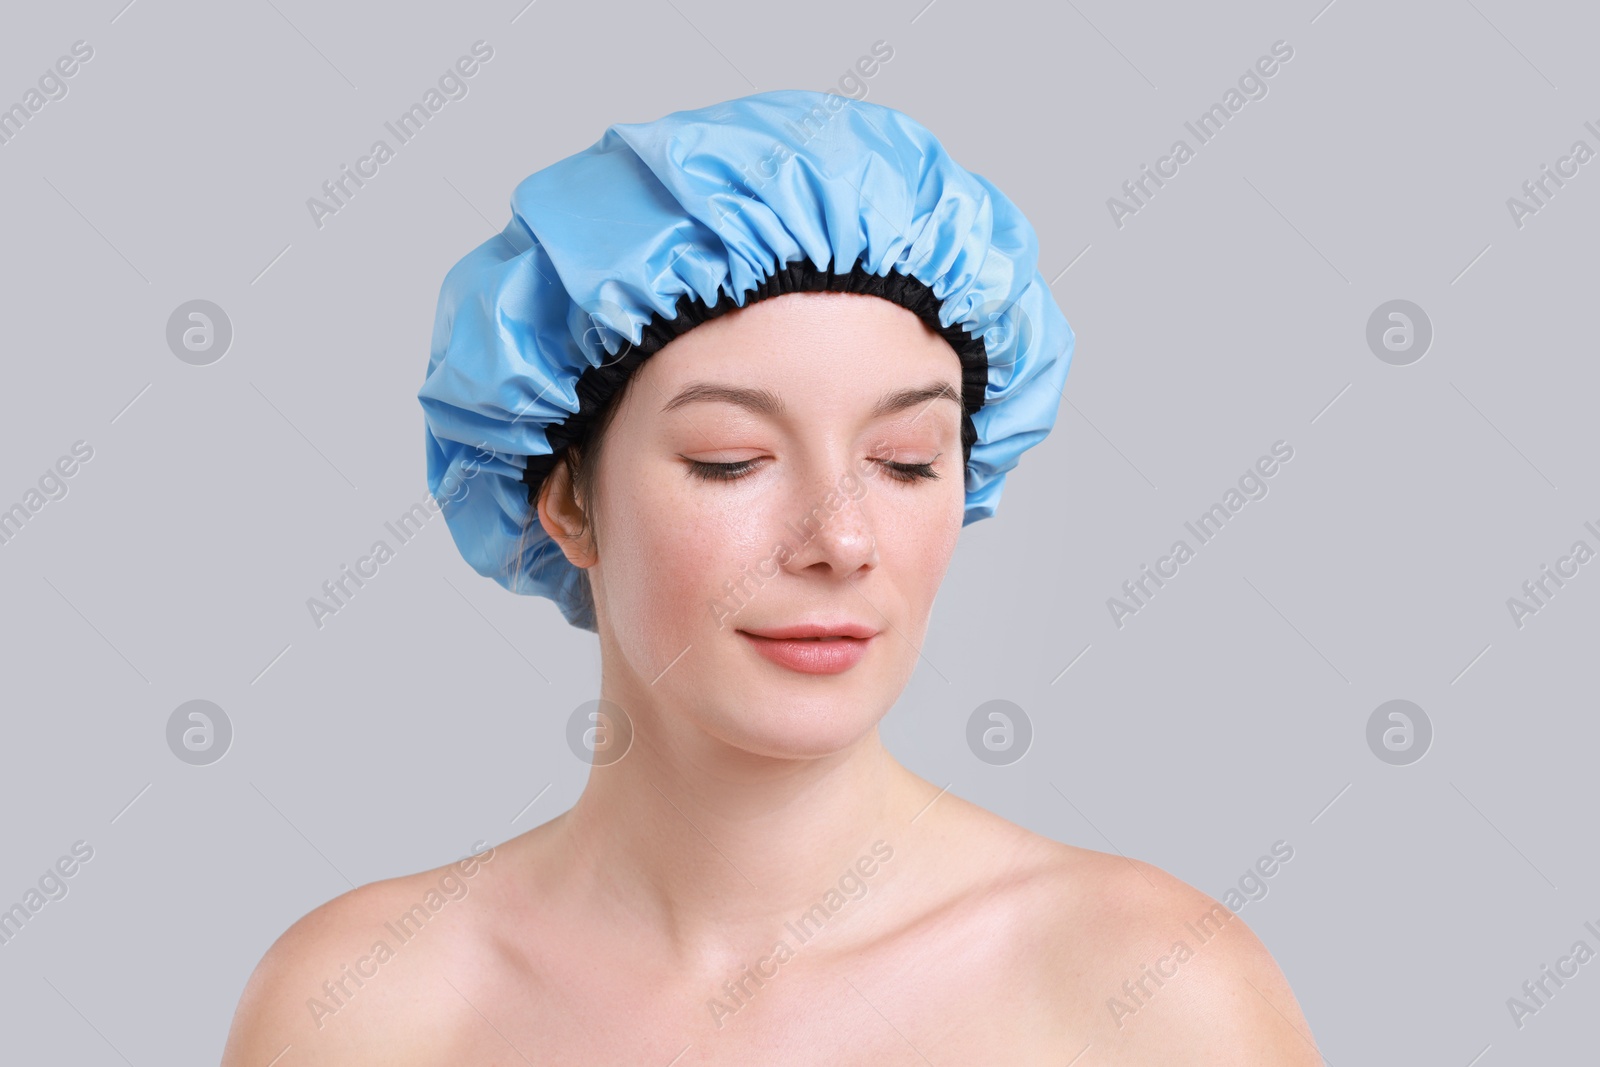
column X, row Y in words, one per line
column 1228, row 314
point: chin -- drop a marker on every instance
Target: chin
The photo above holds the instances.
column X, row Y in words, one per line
column 775, row 724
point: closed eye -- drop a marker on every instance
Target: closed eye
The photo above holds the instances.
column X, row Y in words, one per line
column 728, row 472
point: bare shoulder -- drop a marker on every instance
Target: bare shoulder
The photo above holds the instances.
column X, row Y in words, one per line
column 361, row 979
column 1160, row 972
column 1143, row 967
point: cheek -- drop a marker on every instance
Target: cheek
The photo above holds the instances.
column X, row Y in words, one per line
column 668, row 552
column 922, row 533
column 699, row 550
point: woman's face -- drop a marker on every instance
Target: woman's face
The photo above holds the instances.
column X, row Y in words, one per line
column 797, row 461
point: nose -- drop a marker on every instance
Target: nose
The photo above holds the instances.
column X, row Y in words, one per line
column 833, row 528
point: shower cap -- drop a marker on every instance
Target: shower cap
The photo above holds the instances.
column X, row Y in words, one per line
column 658, row 226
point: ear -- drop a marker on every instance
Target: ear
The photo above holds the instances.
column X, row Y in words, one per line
column 564, row 519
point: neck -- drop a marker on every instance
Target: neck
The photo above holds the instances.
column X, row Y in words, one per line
column 722, row 852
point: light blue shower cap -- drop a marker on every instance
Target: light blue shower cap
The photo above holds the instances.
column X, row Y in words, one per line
column 701, row 206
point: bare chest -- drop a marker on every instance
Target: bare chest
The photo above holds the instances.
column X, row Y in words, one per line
column 944, row 996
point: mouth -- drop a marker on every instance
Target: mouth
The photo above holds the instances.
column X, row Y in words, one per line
column 829, row 637
column 813, row 653
column 822, row 631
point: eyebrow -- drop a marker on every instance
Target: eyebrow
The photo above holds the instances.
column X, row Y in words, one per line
column 766, row 402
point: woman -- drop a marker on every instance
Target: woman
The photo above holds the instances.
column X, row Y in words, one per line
column 727, row 389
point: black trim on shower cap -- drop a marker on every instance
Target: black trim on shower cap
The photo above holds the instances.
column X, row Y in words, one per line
column 596, row 385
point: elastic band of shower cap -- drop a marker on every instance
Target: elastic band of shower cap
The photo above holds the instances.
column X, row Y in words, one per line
column 659, row 226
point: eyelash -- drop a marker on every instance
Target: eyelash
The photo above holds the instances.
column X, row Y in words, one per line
column 729, row 472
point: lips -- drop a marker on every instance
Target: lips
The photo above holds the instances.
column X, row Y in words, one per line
column 813, row 648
